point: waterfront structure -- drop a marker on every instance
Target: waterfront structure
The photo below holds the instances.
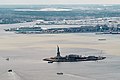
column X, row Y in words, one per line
column 82, row 29
column 72, row 58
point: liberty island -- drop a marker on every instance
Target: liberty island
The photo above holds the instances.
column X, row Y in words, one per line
column 72, row 58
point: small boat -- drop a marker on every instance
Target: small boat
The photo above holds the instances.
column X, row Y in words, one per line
column 10, row 70
column 59, row 73
column 50, row 61
column 102, row 39
column 7, row 59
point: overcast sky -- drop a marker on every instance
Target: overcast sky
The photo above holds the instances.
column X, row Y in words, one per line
column 59, row 1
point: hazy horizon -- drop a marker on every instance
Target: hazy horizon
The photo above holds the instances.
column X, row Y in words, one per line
column 46, row 2
column 62, row 4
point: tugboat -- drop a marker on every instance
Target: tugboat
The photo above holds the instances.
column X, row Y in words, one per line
column 72, row 58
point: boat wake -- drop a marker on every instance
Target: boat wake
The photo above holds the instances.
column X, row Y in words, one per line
column 78, row 76
column 14, row 76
